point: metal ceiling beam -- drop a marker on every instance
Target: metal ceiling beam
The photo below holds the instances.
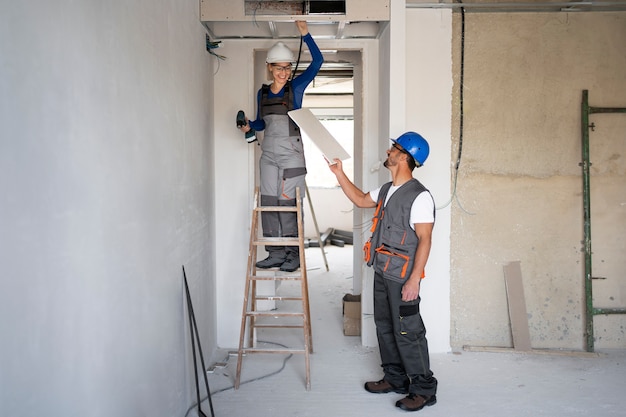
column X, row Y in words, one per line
column 273, row 31
column 340, row 28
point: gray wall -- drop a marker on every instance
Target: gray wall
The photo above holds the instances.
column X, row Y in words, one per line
column 519, row 184
column 105, row 115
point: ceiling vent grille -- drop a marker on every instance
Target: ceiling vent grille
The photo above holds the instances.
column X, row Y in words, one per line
column 294, row 7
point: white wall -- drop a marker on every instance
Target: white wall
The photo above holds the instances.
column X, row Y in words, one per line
column 233, row 164
column 105, row 193
column 419, row 76
column 429, row 112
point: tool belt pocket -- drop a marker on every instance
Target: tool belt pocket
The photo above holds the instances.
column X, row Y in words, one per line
column 367, row 251
column 392, row 262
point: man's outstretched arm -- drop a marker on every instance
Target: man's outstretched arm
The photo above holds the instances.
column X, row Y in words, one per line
column 358, row 197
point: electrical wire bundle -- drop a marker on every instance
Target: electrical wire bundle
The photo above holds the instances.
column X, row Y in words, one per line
column 211, row 45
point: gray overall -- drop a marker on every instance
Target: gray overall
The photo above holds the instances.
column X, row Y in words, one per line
column 282, row 169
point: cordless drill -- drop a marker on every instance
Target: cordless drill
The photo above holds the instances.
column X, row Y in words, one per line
column 241, row 122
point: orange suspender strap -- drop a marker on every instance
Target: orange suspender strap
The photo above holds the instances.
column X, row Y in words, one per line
column 376, row 218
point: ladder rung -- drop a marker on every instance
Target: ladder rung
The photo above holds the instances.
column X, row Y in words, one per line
column 277, row 298
column 275, row 277
column 277, row 241
column 261, row 350
column 277, row 326
column 276, row 208
column 273, row 314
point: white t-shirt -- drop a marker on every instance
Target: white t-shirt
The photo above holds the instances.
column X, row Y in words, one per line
column 422, row 209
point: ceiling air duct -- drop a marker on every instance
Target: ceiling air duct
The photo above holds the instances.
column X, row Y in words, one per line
column 294, row 7
column 328, row 19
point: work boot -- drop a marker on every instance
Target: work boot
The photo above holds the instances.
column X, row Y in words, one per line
column 291, row 263
column 383, row 386
column 415, row 402
column 270, row 262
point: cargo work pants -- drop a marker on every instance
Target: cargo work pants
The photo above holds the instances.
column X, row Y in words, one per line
column 402, row 339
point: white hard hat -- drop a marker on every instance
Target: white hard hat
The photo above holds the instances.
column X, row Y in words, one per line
column 279, row 53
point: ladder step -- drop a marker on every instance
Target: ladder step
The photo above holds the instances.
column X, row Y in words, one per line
column 273, row 314
column 268, row 350
column 275, row 277
column 276, row 241
column 277, row 326
column 277, row 298
column 276, row 208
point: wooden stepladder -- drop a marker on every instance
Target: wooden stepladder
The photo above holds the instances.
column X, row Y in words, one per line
column 292, row 317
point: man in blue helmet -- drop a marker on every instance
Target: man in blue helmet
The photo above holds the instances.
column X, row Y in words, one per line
column 398, row 250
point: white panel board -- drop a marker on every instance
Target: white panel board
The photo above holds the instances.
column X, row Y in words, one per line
column 315, row 130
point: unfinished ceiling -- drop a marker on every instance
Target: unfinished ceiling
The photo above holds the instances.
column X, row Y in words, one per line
column 287, row 30
column 353, row 19
column 267, row 19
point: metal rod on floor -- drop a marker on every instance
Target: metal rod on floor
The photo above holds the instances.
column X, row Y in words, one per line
column 193, row 328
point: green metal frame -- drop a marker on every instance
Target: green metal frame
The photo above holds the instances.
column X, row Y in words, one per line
column 590, row 310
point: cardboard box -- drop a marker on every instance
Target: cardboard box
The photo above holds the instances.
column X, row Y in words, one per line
column 352, row 315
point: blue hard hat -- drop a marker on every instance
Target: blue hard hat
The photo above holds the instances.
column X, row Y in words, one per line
column 415, row 145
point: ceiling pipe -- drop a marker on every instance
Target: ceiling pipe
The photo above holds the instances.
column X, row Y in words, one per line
column 492, row 7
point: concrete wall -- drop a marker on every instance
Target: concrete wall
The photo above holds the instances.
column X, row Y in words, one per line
column 105, row 115
column 519, row 191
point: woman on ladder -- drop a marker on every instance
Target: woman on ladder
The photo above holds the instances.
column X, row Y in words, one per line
column 282, row 164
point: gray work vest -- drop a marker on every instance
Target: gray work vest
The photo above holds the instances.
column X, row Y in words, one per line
column 391, row 249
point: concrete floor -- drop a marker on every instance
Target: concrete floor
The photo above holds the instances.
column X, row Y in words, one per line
column 470, row 383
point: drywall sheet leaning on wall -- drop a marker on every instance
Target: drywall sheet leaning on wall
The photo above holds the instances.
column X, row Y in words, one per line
column 517, row 306
column 322, row 138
